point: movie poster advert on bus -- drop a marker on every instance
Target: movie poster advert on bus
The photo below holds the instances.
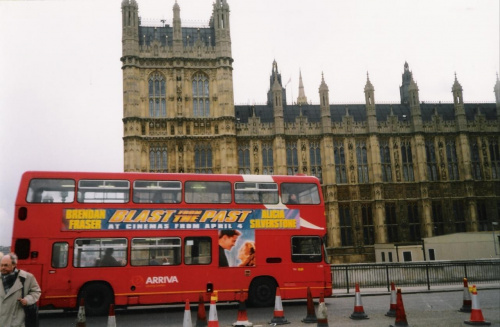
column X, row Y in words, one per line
column 236, row 228
column 174, row 219
column 236, row 248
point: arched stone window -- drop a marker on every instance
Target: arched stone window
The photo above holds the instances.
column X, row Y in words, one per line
column 158, row 159
column 315, row 160
column 267, row 159
column 475, row 160
column 203, row 159
column 385, row 160
column 340, row 167
column 244, row 158
column 292, row 160
column 430, row 153
column 452, row 158
column 201, row 102
column 157, row 91
column 407, row 159
column 494, row 158
column 362, row 158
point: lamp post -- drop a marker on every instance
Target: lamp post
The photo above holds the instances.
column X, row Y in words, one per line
column 493, row 224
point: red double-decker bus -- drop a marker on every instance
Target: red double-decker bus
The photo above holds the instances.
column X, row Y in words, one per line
column 135, row 239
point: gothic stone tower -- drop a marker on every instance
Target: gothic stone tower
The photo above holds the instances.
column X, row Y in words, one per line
column 178, row 106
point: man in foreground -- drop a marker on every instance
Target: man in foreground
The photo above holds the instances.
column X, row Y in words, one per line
column 12, row 301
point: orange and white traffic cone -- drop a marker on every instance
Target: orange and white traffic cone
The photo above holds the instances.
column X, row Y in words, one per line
column 80, row 319
column 467, row 303
column 359, row 312
column 476, row 315
column 242, row 320
column 322, row 313
column 400, row 312
column 111, row 316
column 213, row 321
column 311, row 314
column 201, row 317
column 394, row 302
column 279, row 314
column 187, row 316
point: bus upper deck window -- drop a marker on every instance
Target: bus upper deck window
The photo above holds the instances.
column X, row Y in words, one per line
column 207, row 192
column 103, row 191
column 157, row 191
column 255, row 192
column 300, row 193
column 51, row 191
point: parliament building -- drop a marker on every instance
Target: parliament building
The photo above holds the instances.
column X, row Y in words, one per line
column 391, row 173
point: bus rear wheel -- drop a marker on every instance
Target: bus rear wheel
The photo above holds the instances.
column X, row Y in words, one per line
column 97, row 297
column 262, row 292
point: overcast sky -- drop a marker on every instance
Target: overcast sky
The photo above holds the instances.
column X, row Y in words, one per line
column 61, row 80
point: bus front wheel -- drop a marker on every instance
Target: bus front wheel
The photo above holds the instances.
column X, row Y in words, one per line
column 97, row 297
column 262, row 292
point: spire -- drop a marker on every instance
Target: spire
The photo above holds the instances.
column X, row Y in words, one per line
column 129, row 2
column 276, row 98
column 458, row 101
column 456, row 85
column 370, row 105
column 457, row 92
column 220, row 23
column 368, row 85
column 177, row 21
column 413, row 96
column 177, row 30
column 221, row 14
column 274, row 82
column 369, row 91
column 497, row 91
column 301, row 99
column 323, row 86
column 413, row 85
column 412, row 99
column 275, row 75
column 324, row 95
column 406, row 80
column 130, row 30
column 324, row 98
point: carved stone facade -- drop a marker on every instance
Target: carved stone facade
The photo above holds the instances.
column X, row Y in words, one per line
column 391, row 173
column 167, row 72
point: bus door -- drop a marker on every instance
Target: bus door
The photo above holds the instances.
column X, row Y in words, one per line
column 58, row 272
column 307, row 259
column 198, row 256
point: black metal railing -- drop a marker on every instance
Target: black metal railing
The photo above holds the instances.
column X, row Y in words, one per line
column 407, row 274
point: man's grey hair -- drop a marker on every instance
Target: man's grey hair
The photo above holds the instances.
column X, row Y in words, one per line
column 13, row 257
